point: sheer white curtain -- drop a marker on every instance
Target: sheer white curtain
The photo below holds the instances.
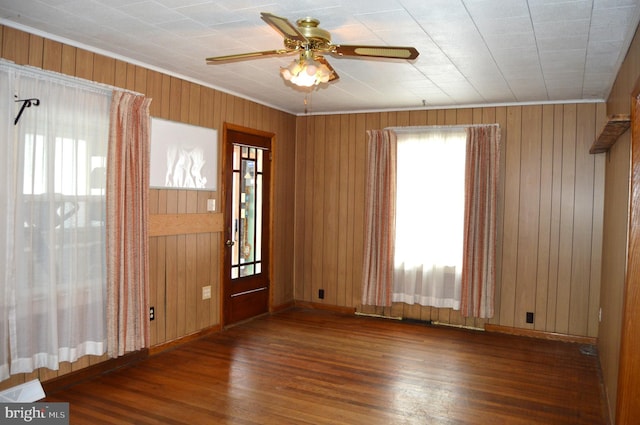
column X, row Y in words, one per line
column 53, row 196
column 429, row 216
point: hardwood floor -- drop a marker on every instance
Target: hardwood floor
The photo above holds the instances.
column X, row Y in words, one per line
column 317, row 367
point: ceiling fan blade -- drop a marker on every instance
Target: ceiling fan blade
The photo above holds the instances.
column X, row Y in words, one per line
column 244, row 56
column 393, row 52
column 334, row 74
column 284, row 27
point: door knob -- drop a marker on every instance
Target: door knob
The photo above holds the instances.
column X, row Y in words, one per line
column 230, row 243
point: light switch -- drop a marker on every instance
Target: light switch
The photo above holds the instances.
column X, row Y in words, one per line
column 206, row 292
column 211, row 204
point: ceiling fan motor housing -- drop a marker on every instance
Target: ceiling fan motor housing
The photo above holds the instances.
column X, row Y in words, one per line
column 319, row 38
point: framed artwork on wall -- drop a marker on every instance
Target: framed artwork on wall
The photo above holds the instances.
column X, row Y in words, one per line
column 183, row 156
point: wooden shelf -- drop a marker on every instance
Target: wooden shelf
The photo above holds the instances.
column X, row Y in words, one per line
column 615, row 126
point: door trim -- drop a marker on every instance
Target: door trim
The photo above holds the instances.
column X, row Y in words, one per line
column 227, row 127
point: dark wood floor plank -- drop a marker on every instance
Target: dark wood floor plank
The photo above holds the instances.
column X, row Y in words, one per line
column 318, row 367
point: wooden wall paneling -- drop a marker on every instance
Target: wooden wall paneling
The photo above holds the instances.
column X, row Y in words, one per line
column 403, row 118
column 175, row 99
column 529, row 211
column 81, row 363
column 556, row 208
column 131, row 74
column 344, row 285
column 289, row 252
column 181, row 266
column 238, row 111
column 51, row 56
column 161, row 275
column 229, row 102
column 22, row 48
column 84, row 64
column 68, row 63
column 330, row 208
column 529, row 217
column 299, row 165
column 626, row 79
column 286, row 154
column 153, row 268
column 450, row 116
column 226, row 108
column 206, row 111
column 278, row 281
column 583, row 220
column 477, row 115
column 351, row 141
column 120, row 74
column 597, row 226
column 185, row 105
column 164, row 99
column 217, row 114
column 194, row 104
column 216, row 255
column 9, row 43
column 417, row 118
column 495, row 115
column 510, row 222
column 153, row 91
column 358, row 203
column 251, row 117
column 318, row 234
column 36, row 50
column 309, row 195
column 566, row 219
column 544, row 219
column 203, row 278
column 171, row 273
column 140, row 79
column 384, row 119
column 464, row 116
column 43, row 374
column 193, row 291
column 253, row 120
column 104, row 70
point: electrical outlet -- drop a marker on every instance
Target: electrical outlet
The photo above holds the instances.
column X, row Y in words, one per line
column 529, row 317
column 321, row 294
column 206, row 292
column 152, row 313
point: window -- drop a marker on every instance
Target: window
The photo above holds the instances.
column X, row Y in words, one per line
column 423, row 271
column 54, row 265
column 429, row 216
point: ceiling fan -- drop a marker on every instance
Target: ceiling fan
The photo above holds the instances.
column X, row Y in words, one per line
column 312, row 42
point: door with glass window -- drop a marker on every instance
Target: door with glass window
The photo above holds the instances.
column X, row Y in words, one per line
column 246, row 258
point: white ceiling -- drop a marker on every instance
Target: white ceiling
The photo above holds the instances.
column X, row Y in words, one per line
column 472, row 52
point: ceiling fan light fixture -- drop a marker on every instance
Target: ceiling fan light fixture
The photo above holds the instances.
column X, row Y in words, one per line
column 306, row 72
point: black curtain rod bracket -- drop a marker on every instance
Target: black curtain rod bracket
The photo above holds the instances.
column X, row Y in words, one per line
column 26, row 103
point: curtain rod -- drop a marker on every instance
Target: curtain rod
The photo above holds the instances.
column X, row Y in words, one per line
column 38, row 72
column 439, row 127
